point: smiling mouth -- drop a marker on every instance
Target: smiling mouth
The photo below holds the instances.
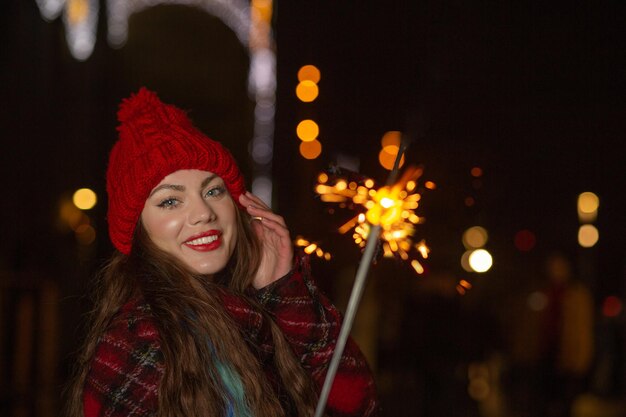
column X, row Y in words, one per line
column 206, row 243
column 203, row 240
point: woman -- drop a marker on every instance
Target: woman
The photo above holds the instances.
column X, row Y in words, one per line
column 202, row 310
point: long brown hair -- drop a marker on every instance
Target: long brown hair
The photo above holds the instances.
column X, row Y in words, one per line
column 176, row 297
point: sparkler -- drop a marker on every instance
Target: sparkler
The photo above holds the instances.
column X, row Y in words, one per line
column 392, row 207
column 389, row 215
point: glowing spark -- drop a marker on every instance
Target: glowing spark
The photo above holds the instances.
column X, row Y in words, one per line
column 392, row 207
column 311, row 248
column 417, row 266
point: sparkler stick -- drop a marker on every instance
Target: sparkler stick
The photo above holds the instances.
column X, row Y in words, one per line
column 357, row 292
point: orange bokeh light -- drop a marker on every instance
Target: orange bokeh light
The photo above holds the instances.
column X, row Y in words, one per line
column 387, row 157
column 309, row 73
column 391, row 138
column 307, row 130
column 307, row 91
column 310, row 150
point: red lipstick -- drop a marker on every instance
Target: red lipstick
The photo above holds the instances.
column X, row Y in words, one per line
column 204, row 242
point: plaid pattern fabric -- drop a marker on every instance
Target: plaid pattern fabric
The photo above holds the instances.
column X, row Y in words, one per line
column 311, row 324
column 128, row 365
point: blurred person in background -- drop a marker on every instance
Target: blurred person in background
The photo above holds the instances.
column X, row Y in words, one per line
column 566, row 339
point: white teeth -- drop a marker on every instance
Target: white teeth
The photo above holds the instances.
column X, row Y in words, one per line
column 203, row 240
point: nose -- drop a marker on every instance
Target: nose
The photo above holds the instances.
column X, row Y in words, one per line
column 201, row 211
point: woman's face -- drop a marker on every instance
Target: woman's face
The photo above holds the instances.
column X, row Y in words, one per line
column 191, row 216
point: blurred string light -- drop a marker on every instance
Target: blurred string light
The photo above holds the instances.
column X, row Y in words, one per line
column 475, row 237
column 392, row 207
column 80, row 18
column 312, row 248
column 537, row 301
column 236, row 14
column 480, row 260
column 84, row 198
column 309, row 73
column 475, row 258
column 310, row 150
column 587, row 207
column 524, row 240
column 479, row 381
column 307, row 91
column 251, row 23
column 476, row 172
column 611, row 306
column 71, row 218
column 390, row 145
column 308, row 130
column 588, row 204
column 463, row 286
column 588, row 235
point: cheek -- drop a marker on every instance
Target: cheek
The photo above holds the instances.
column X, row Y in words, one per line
column 162, row 228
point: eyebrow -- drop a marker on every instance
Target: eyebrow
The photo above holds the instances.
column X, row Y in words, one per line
column 208, row 180
column 181, row 188
column 167, row 187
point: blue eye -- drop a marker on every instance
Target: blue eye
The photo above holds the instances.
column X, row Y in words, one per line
column 216, row 191
column 168, row 203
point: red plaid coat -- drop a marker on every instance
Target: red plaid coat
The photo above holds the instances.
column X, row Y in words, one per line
column 128, row 365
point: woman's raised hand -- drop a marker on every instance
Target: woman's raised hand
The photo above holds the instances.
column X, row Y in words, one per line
column 276, row 245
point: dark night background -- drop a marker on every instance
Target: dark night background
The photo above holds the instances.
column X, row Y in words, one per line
column 533, row 92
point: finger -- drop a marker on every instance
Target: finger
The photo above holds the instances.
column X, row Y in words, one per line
column 266, row 214
column 249, row 198
column 272, row 226
column 275, row 227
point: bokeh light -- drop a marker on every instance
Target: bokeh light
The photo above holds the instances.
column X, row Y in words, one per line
column 588, row 235
column 525, row 240
column 475, row 237
column 537, row 301
column 307, row 91
column 391, row 138
column 85, row 234
column 84, row 198
column 612, row 306
column 465, row 261
column 77, row 11
column 476, row 172
column 310, row 150
column 480, row 260
column 387, row 157
column 307, row 130
column 588, row 204
column 309, row 73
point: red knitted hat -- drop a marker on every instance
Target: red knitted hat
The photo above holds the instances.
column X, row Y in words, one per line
column 155, row 140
